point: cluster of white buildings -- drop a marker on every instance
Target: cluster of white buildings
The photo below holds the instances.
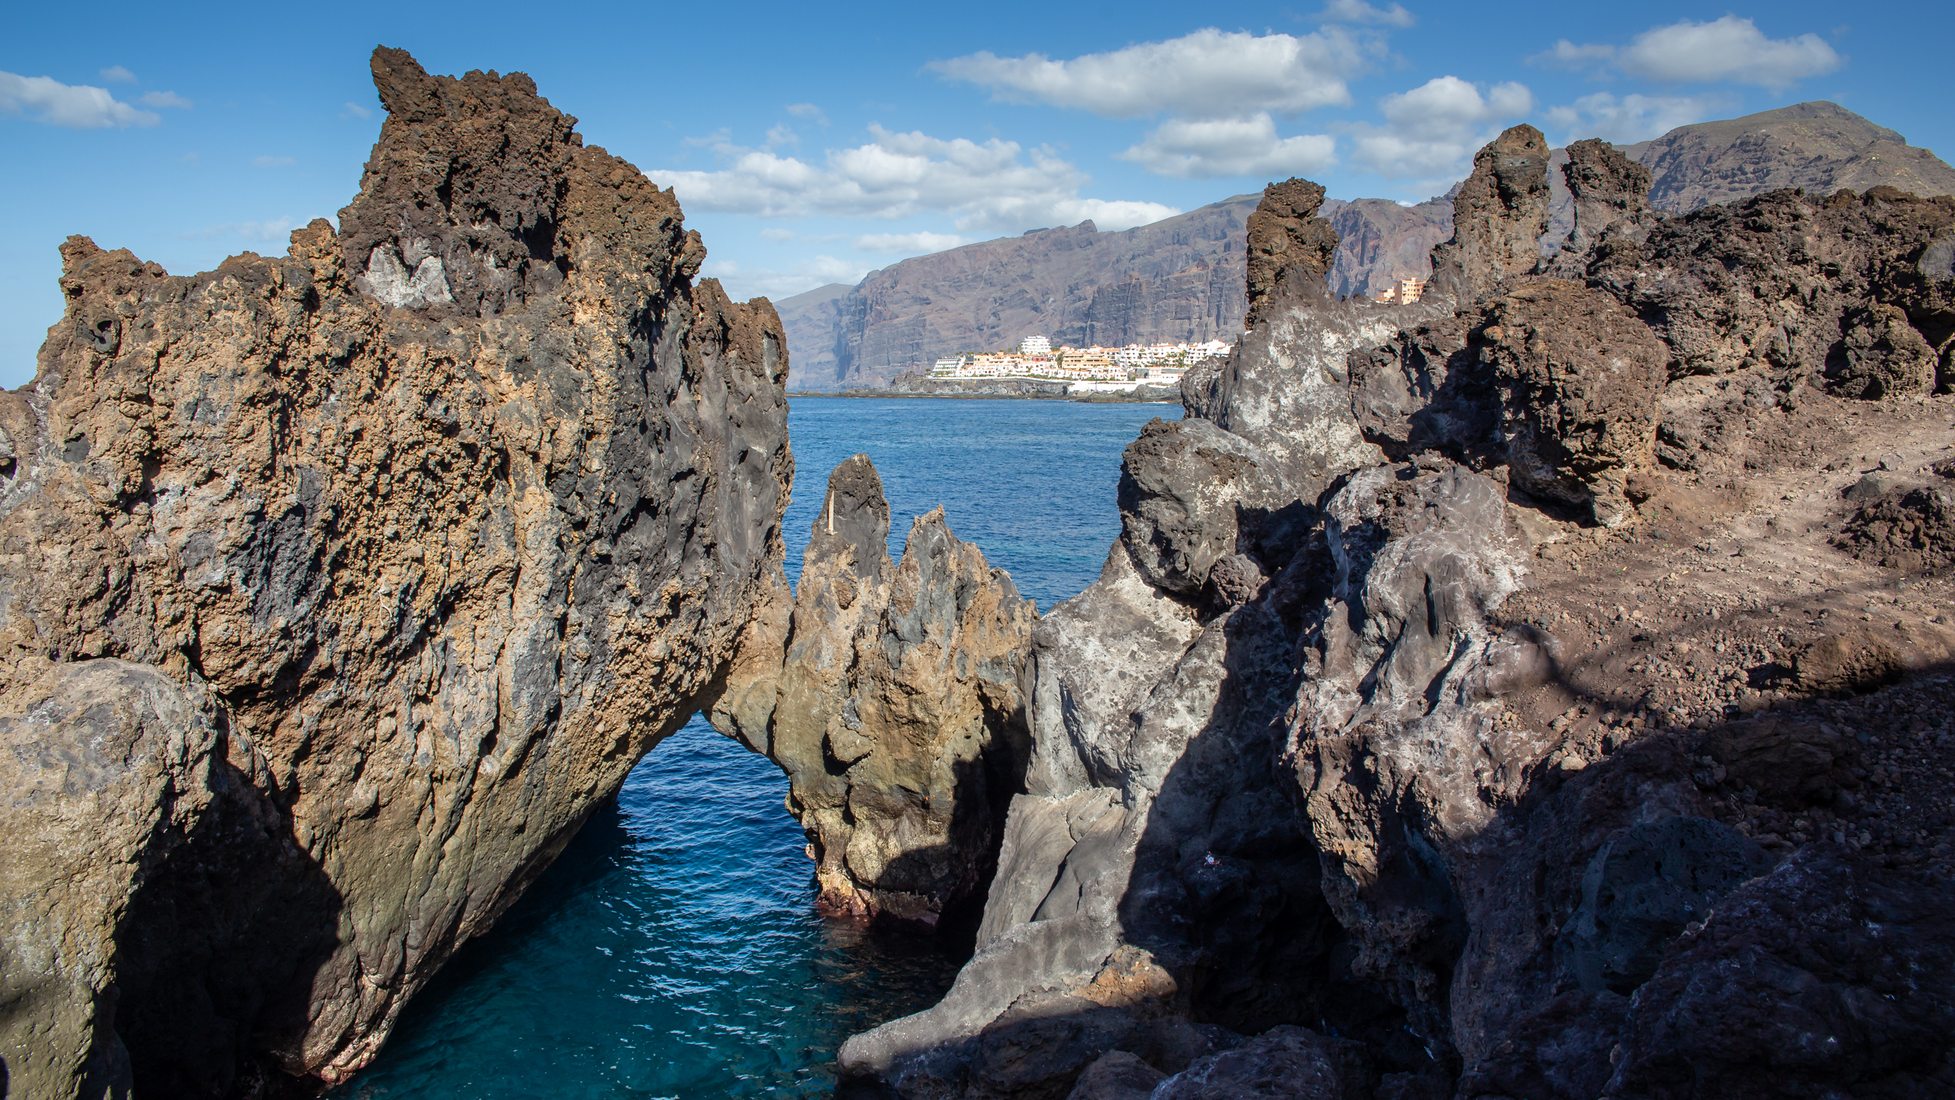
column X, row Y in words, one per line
column 1095, row 367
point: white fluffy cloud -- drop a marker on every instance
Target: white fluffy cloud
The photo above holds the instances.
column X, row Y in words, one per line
column 993, row 185
column 1230, row 147
column 82, row 106
column 1631, row 118
column 908, row 244
column 1729, row 49
column 1357, row 11
column 116, row 74
column 1432, row 131
column 1210, row 73
column 165, row 101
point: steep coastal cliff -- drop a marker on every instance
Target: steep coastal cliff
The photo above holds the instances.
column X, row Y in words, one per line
column 337, row 588
column 1539, row 691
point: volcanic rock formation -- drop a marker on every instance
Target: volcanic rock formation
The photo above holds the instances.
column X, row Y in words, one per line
column 337, row 588
column 1542, row 691
column 889, row 693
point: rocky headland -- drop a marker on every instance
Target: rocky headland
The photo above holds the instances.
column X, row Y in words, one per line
column 337, row 589
column 1542, row 690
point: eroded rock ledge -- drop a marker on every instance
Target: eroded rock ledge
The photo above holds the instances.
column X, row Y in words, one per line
column 337, row 588
column 890, row 694
column 1542, row 691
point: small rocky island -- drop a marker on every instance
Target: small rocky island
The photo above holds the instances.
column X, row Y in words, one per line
column 1542, row 689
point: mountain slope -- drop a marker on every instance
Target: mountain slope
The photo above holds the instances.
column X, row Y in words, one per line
column 1821, row 147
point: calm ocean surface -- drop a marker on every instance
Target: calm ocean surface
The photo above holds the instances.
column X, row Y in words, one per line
column 673, row 950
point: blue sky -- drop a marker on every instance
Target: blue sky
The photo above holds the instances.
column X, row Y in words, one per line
column 811, row 144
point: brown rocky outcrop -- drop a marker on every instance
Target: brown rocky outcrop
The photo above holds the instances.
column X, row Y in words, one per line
column 336, row 588
column 1607, row 191
column 1287, row 240
column 1499, row 215
column 1363, row 733
column 889, row 693
column 1579, row 379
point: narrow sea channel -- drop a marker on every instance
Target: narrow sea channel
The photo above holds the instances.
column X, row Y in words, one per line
column 673, row 950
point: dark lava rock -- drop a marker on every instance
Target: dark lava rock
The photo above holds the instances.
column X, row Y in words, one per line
column 1643, row 887
column 449, row 515
column 1880, row 355
column 1499, row 215
column 1579, row 378
column 1610, row 193
column 889, row 693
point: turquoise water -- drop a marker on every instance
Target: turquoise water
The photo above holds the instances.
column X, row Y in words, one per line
column 673, row 950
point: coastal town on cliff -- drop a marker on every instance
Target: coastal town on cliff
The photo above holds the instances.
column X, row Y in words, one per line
column 1491, row 646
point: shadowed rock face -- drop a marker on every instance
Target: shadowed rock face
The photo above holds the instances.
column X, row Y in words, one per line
column 889, row 692
column 407, row 544
column 1420, row 736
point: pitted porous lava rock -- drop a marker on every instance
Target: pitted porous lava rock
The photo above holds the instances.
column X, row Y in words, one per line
column 1579, row 377
column 1768, row 284
column 1517, row 804
column 1906, row 529
column 1288, row 242
column 1499, row 215
column 451, row 516
column 1880, row 355
column 1610, row 192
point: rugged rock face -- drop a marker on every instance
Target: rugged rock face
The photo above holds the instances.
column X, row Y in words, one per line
column 1579, row 378
column 1503, row 694
column 1607, row 192
column 889, row 692
column 341, row 585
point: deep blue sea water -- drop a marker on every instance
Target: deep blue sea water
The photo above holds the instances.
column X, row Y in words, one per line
column 673, row 950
